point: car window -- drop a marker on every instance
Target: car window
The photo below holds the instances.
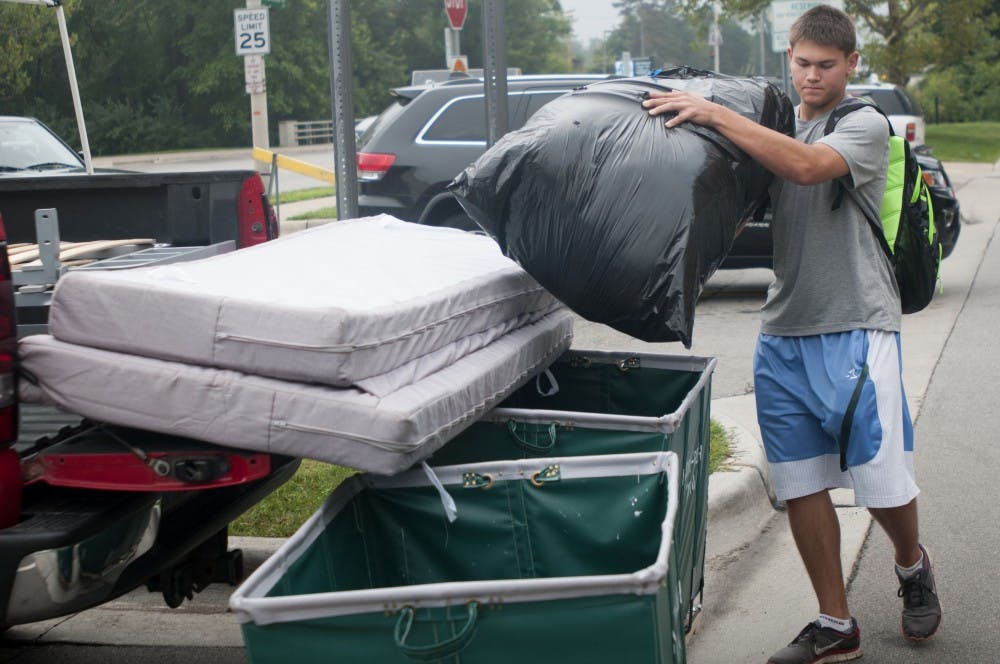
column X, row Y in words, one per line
column 27, row 144
column 913, row 103
column 891, row 100
column 464, row 119
column 387, row 117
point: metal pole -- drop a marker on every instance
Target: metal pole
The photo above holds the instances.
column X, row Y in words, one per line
column 452, row 46
column 258, row 110
column 716, row 35
column 763, row 52
column 495, row 70
column 344, row 148
column 74, row 89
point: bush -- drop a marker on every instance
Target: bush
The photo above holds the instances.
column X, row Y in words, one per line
column 968, row 92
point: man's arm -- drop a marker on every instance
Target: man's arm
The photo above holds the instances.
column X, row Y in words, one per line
column 789, row 159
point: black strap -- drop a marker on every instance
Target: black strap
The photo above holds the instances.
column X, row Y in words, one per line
column 852, row 405
column 873, row 223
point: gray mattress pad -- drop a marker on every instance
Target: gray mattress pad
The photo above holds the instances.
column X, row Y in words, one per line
column 332, row 305
column 346, row 426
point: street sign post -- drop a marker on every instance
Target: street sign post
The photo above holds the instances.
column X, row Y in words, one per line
column 456, row 10
column 252, row 31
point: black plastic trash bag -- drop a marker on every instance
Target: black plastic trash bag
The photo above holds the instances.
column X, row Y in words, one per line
column 619, row 217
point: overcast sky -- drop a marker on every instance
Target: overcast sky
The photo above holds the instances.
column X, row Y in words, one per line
column 590, row 17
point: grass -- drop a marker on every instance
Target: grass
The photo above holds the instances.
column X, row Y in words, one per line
column 305, row 194
column 281, row 513
column 965, row 141
column 719, row 447
column 322, row 213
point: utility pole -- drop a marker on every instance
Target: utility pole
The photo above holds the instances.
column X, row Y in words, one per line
column 342, row 107
column 495, row 70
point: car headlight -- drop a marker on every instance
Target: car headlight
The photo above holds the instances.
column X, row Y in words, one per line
column 935, row 178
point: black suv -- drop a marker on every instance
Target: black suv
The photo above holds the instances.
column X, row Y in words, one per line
column 430, row 132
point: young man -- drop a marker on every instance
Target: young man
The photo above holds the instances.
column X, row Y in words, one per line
column 831, row 319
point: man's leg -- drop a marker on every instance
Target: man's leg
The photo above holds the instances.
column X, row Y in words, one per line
column 921, row 607
column 817, row 535
column 900, row 524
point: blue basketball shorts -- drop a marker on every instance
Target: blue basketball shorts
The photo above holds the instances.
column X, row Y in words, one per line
column 804, row 386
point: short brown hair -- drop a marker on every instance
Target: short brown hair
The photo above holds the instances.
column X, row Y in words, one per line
column 826, row 26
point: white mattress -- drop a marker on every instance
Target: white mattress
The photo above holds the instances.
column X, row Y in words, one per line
column 346, row 426
column 333, row 305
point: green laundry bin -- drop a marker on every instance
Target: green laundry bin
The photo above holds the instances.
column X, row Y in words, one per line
column 555, row 560
column 600, row 402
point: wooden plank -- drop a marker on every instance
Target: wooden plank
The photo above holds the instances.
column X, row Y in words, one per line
column 68, row 251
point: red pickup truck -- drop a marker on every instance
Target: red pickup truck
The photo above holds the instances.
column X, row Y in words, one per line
column 90, row 511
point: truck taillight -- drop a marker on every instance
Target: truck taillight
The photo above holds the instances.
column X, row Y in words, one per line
column 257, row 222
column 372, row 166
column 911, row 131
column 11, row 486
column 8, row 348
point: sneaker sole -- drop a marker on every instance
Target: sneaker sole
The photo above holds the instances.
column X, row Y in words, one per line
column 840, row 657
column 835, row 657
column 921, row 639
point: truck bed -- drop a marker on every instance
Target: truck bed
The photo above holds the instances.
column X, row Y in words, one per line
column 181, row 209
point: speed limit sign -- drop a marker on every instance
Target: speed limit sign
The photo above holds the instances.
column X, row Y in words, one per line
column 253, row 33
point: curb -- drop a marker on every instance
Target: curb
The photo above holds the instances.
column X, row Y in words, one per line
column 741, row 501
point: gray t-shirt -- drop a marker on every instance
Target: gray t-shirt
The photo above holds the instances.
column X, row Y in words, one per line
column 831, row 274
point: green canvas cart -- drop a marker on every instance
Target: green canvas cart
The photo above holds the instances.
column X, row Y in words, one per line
column 598, row 402
column 555, row 560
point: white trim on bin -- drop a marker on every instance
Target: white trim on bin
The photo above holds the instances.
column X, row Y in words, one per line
column 665, row 424
column 250, row 603
column 571, row 468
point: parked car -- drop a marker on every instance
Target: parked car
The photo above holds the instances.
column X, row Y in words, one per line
column 28, row 147
column 905, row 114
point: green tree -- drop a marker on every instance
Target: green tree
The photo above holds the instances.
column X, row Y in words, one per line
column 661, row 30
column 164, row 75
column 904, row 37
column 967, row 89
column 29, row 39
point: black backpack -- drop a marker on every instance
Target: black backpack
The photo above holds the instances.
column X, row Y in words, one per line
column 906, row 230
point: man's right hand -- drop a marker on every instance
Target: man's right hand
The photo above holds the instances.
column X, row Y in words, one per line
column 687, row 107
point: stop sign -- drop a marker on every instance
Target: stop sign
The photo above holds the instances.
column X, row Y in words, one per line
column 456, row 10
